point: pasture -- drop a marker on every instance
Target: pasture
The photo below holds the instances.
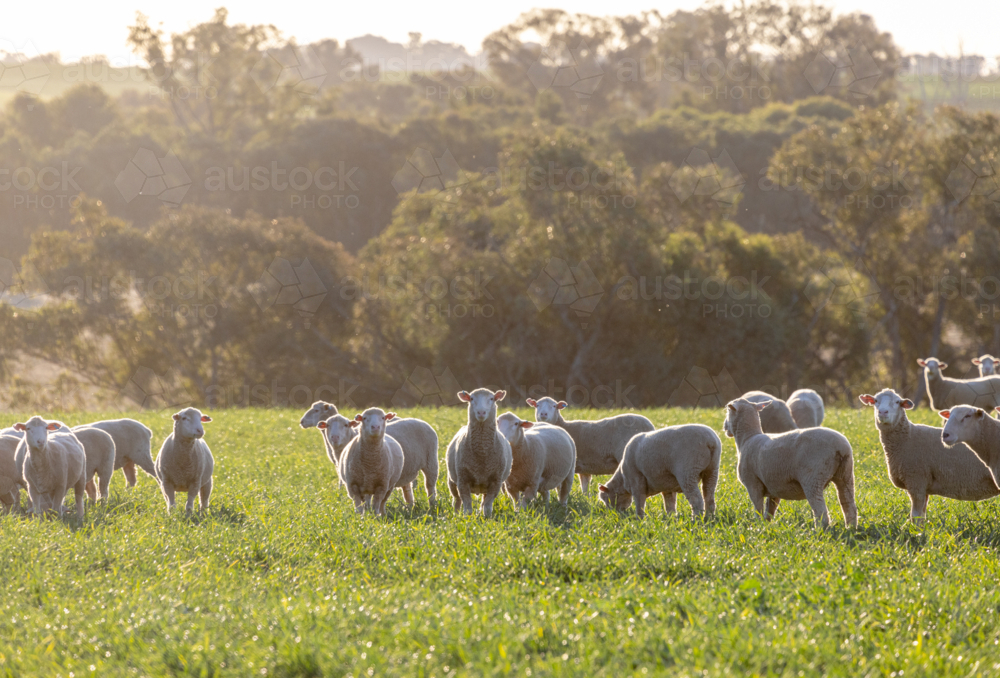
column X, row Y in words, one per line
column 281, row 578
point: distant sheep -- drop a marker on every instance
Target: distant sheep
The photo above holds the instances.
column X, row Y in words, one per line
column 478, row 457
column 99, row 448
column 806, row 407
column 946, row 392
column 319, row 412
column 543, row 459
column 987, row 364
column 777, row 417
column 10, row 474
column 53, row 463
column 185, row 462
column 372, row 463
column 920, row 463
column 600, row 443
column 794, row 465
column 977, row 429
column 671, row 460
column 132, row 446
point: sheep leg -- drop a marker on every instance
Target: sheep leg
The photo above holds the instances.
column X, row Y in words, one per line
column 91, row 490
column 756, row 491
column 128, row 469
column 670, row 502
column 918, row 506
column 205, row 495
column 168, row 494
column 770, row 507
column 466, row 496
column 36, row 502
column 845, row 494
column 584, row 482
column 818, row 506
column 708, row 485
column 381, row 498
column 103, row 485
column 640, row 504
column 430, row 484
column 488, row 500
column 565, row 488
column 693, row 495
column 515, row 497
column 453, row 488
column 190, row 500
column 79, row 492
column 407, row 495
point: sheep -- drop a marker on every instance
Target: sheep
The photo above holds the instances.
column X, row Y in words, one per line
column 132, row 446
column 543, row 457
column 946, row 392
column 920, row 463
column 322, row 411
column 10, row 473
column 978, row 430
column 372, row 462
column 53, row 462
column 185, row 462
column 794, row 465
column 599, row 444
column 777, row 418
column 478, row 457
column 99, row 448
column 417, row 438
column 987, row 364
column 670, row 460
column 806, row 407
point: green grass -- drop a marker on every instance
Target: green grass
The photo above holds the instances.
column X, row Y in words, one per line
column 283, row 579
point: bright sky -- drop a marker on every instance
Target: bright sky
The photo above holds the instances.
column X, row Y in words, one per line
column 78, row 29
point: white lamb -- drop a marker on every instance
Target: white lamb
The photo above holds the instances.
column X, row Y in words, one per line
column 99, row 447
column 977, row 429
column 806, row 407
column 987, row 364
column 185, row 462
column 946, row 392
column 543, row 458
column 671, row 460
column 132, row 446
column 777, row 418
column 372, row 463
column 478, row 457
column 10, row 474
column 600, row 444
column 319, row 412
column 54, row 462
column 794, row 465
column 920, row 463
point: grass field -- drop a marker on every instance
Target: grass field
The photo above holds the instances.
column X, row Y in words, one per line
column 281, row 578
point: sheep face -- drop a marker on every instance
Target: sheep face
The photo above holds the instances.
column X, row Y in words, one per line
column 733, row 410
column 512, row 428
column 372, row 422
column 933, row 366
column 961, row 423
column 617, row 498
column 889, row 406
column 337, row 430
column 36, row 431
column 188, row 423
column 986, row 363
column 546, row 409
column 482, row 403
column 320, row 411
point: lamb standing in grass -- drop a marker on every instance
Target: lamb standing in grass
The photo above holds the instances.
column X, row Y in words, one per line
column 54, row 462
column 806, row 407
column 99, row 448
column 987, row 365
column 671, row 460
column 920, row 463
column 946, row 392
column 372, row 463
column 478, row 457
column 543, row 458
column 600, row 444
column 793, row 466
column 777, row 418
column 320, row 412
column 132, row 446
column 978, row 430
column 10, row 474
column 185, row 462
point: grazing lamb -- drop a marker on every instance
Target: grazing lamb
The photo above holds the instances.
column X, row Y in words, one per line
column 543, row 458
column 946, row 392
column 806, row 407
column 978, row 430
column 372, row 463
column 794, row 465
column 53, row 462
column 185, row 463
column 777, row 418
column 599, row 444
column 132, row 446
column 918, row 460
column 671, row 460
column 319, row 412
column 99, row 448
column 478, row 457
column 987, row 364
column 10, row 474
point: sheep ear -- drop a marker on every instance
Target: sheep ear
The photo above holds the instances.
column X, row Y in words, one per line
column 943, row 366
column 602, row 488
column 390, row 415
column 979, row 413
column 499, row 395
column 354, row 423
column 52, row 426
column 527, row 424
column 20, row 427
column 177, row 417
column 944, row 414
column 205, row 418
column 464, row 396
column 761, row 406
column 977, row 361
column 907, row 404
column 358, row 417
column 561, row 404
column 867, row 399
column 322, row 425
column 921, row 362
column 531, row 402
